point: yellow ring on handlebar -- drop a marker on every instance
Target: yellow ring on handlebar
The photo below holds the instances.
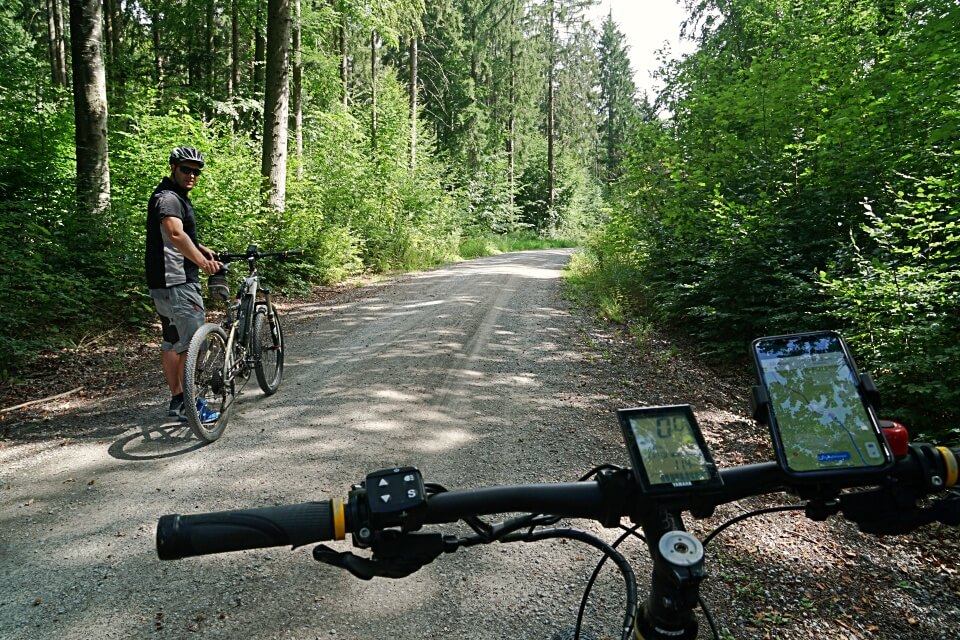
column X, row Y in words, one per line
column 339, row 522
column 952, row 468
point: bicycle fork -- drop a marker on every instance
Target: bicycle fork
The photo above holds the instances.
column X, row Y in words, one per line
column 271, row 313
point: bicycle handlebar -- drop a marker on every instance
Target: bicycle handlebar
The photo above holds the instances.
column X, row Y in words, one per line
column 384, row 514
column 252, row 253
column 925, row 470
column 206, row 533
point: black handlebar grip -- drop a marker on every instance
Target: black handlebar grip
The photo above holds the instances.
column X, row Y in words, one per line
column 195, row 535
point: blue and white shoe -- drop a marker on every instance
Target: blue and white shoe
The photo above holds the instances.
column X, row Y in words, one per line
column 207, row 415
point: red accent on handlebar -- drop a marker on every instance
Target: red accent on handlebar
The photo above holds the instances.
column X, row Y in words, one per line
column 897, row 437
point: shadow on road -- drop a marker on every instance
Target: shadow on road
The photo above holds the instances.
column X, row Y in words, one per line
column 156, row 443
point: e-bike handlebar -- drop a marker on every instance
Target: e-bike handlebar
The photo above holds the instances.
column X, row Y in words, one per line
column 206, row 533
column 925, row 470
column 253, row 253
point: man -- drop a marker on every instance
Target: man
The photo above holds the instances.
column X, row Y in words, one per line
column 174, row 258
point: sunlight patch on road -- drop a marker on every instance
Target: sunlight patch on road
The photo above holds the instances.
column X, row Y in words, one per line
column 528, row 380
column 472, row 270
column 473, row 374
column 519, row 271
column 393, row 394
column 429, row 303
column 443, row 440
column 377, row 426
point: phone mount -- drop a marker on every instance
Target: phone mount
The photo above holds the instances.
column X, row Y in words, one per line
column 760, row 400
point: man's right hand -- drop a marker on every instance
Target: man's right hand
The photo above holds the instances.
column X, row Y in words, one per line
column 210, row 267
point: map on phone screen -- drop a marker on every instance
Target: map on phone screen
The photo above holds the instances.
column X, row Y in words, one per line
column 817, row 407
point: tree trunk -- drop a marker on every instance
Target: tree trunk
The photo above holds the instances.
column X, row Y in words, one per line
column 58, row 52
column 234, row 84
column 157, row 55
column 551, row 72
column 258, row 53
column 276, row 104
column 52, row 43
column 413, row 104
column 208, row 55
column 117, row 33
column 342, row 34
column 298, row 86
column 90, row 108
column 61, row 42
column 512, row 118
column 113, row 39
column 373, row 89
column 108, row 32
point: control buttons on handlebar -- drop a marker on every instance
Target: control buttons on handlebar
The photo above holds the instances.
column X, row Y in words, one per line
column 394, row 495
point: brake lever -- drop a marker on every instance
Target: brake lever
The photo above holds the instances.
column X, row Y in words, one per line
column 887, row 511
column 945, row 511
column 360, row 567
column 395, row 554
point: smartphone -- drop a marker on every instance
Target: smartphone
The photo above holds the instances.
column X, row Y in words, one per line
column 820, row 422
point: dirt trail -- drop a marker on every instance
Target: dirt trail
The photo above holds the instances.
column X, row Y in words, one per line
column 478, row 373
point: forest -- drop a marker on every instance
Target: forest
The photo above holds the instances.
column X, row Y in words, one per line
column 799, row 170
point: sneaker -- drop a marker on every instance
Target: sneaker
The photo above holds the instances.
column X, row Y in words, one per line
column 206, row 414
column 174, row 409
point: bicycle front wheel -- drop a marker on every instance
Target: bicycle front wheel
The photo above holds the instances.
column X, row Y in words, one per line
column 267, row 349
column 208, row 387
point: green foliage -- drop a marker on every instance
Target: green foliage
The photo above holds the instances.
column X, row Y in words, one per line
column 495, row 244
column 743, row 214
column 42, row 282
column 618, row 95
column 900, row 297
column 176, row 75
column 578, row 202
column 488, row 201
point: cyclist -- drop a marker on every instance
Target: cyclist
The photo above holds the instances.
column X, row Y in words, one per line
column 174, row 258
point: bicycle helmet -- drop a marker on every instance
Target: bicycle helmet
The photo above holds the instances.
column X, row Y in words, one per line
column 186, row 154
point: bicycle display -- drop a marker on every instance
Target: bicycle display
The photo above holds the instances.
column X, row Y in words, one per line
column 674, row 477
column 667, row 449
column 221, row 357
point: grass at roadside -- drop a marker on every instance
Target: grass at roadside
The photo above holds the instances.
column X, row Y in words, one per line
column 494, row 244
column 613, row 292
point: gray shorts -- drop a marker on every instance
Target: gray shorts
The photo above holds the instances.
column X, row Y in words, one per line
column 181, row 308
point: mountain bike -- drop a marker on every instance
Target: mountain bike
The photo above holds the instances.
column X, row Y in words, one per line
column 221, row 357
column 673, row 474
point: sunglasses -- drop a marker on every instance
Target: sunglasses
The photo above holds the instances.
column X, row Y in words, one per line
column 190, row 171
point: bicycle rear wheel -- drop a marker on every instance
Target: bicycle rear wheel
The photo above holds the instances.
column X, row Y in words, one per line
column 208, row 388
column 267, row 349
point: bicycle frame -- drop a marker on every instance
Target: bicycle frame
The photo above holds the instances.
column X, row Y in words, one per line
column 238, row 323
column 240, row 343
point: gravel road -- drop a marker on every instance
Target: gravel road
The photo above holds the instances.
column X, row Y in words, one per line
column 477, row 373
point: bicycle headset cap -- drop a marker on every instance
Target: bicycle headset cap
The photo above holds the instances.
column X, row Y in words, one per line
column 186, row 154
